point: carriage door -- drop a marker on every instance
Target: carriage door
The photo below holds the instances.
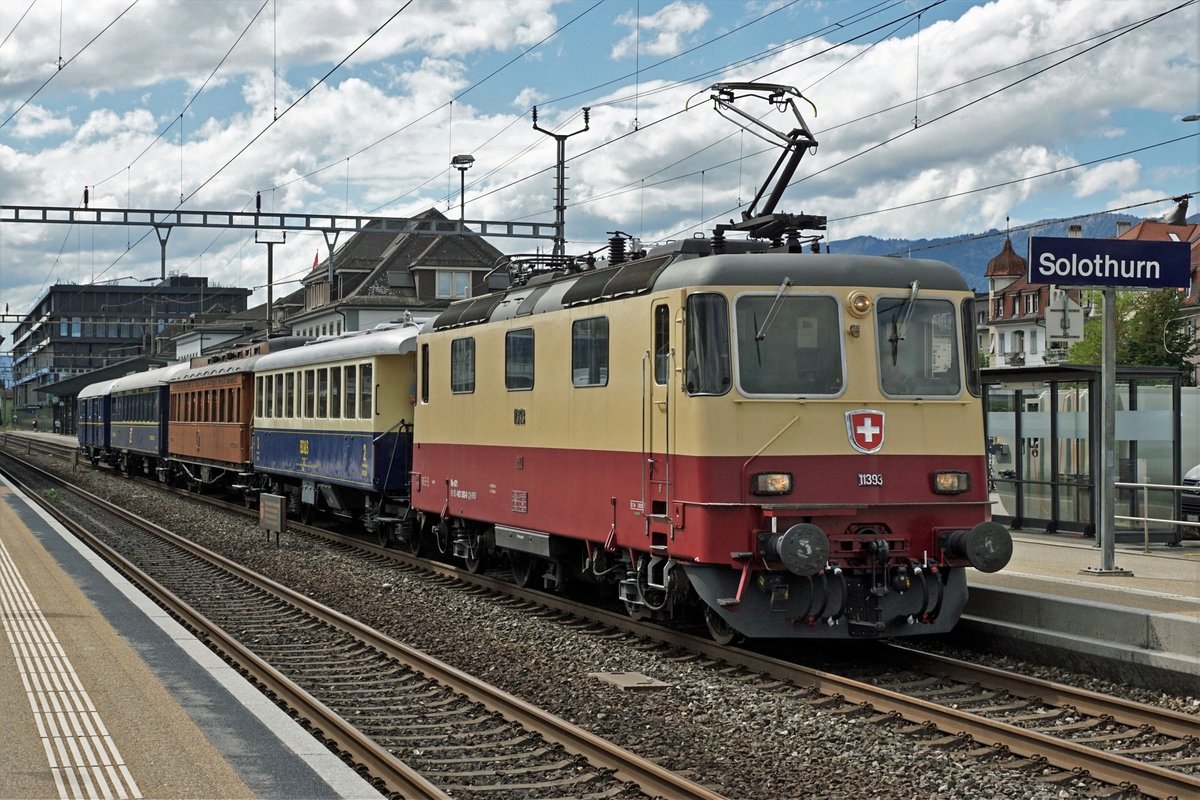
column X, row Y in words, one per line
column 657, row 445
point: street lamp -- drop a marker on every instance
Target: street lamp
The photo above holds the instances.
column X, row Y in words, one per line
column 462, row 163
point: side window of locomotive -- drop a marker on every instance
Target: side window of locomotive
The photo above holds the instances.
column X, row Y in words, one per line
column 425, row 373
column 662, row 344
column 351, row 390
column 462, row 365
column 518, row 359
column 706, row 346
column 970, row 347
column 589, row 352
column 365, row 398
column 788, row 345
column 918, row 347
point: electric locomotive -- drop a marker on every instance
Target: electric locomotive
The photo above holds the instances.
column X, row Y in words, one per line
column 790, row 444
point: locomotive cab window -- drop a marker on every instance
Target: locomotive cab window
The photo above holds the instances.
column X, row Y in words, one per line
column 662, row 344
column 918, row 346
column 706, row 349
column 589, row 352
column 788, row 344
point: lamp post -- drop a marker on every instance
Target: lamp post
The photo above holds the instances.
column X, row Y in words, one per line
column 462, row 163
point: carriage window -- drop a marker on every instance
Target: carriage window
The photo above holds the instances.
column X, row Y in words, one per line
column 918, row 346
column 269, row 400
column 707, row 345
column 310, row 389
column 279, row 395
column 335, row 392
column 258, row 396
column 365, row 397
column 662, row 344
column 589, row 352
column 518, row 359
column 351, row 390
column 462, row 365
column 788, row 345
column 322, row 393
column 289, row 403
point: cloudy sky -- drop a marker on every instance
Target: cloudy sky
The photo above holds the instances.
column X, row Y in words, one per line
column 933, row 118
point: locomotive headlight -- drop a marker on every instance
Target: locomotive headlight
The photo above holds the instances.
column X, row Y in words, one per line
column 859, row 304
column 772, row 483
column 951, row 482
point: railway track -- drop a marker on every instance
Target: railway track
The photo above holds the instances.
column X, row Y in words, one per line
column 1022, row 722
column 420, row 728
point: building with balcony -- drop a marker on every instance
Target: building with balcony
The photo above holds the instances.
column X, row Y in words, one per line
column 1017, row 313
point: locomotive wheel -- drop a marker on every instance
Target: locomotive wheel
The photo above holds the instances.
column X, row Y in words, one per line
column 720, row 630
column 526, row 569
column 636, row 611
column 477, row 564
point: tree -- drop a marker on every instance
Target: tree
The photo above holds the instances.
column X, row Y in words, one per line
column 1149, row 333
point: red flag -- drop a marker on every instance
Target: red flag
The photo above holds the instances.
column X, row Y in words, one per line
column 315, row 255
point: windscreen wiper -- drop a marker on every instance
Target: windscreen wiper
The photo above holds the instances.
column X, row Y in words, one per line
column 773, row 310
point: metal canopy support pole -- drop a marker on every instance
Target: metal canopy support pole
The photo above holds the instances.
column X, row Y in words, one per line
column 1106, row 530
column 162, row 243
column 331, row 238
column 270, row 243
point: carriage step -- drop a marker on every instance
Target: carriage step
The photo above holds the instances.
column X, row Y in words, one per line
column 388, row 520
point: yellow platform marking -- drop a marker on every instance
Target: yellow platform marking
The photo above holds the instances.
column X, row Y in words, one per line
column 83, row 757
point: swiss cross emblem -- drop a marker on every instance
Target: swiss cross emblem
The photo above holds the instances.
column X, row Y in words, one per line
column 865, row 428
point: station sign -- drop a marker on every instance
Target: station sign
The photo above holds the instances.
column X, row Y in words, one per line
column 1116, row 263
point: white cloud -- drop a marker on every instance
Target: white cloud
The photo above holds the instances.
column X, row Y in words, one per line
column 661, row 33
column 1115, row 175
column 35, row 122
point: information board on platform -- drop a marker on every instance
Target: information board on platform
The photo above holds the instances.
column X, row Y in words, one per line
column 1116, row 263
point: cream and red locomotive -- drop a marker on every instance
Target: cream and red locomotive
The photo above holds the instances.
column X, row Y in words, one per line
column 789, row 444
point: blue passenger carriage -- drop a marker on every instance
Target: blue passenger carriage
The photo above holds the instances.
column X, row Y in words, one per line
column 93, row 411
column 138, row 418
column 333, row 424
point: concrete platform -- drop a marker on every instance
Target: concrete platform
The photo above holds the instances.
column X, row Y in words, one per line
column 107, row 696
column 1141, row 629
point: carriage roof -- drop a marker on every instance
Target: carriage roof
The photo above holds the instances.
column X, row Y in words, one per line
column 149, row 378
column 392, row 340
